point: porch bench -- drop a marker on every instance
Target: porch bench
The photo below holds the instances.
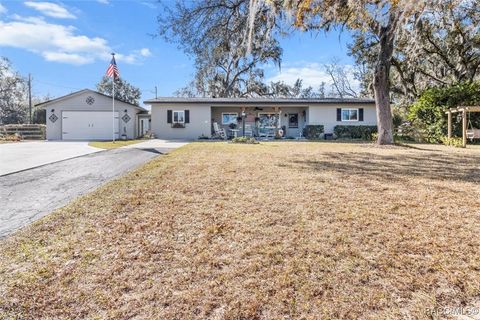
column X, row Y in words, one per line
column 267, row 132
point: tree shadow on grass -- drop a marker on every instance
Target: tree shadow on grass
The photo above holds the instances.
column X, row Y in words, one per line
column 460, row 167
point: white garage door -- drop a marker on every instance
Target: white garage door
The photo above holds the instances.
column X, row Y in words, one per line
column 88, row 125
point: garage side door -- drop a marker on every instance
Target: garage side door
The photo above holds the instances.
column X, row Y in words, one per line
column 88, row 125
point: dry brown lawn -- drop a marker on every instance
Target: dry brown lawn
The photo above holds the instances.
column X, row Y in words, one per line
column 285, row 230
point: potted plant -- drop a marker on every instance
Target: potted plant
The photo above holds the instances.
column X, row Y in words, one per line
column 178, row 125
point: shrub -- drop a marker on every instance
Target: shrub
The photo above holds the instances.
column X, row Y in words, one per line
column 313, row 131
column 178, row 125
column 400, row 137
column 244, row 140
column 202, row 137
column 428, row 112
column 355, row 132
column 12, row 137
column 454, row 142
column 397, row 119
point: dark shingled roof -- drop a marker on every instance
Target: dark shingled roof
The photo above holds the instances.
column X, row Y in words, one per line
column 259, row 101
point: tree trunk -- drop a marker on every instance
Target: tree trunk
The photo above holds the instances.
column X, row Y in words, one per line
column 381, row 82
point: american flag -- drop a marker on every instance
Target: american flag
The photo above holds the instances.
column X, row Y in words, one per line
column 112, row 70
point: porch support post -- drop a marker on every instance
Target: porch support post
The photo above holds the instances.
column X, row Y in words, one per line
column 449, row 124
column 243, row 121
column 464, row 127
column 279, row 118
column 278, row 122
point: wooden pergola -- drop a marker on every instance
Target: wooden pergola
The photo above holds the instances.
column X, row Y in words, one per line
column 463, row 110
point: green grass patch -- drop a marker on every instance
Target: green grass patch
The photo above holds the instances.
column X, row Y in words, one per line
column 112, row 144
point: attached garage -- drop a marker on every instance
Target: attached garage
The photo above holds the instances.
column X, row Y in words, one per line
column 87, row 115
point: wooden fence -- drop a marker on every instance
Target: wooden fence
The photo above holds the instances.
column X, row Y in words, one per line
column 25, row 131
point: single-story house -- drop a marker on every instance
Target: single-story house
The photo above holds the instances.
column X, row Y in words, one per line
column 191, row 118
column 88, row 115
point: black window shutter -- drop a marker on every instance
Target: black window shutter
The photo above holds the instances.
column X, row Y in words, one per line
column 360, row 114
column 187, row 116
column 169, row 116
column 339, row 114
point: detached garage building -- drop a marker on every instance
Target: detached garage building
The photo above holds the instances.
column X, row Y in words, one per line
column 87, row 115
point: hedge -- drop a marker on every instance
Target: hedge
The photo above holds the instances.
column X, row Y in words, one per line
column 313, row 131
column 428, row 116
column 354, row 132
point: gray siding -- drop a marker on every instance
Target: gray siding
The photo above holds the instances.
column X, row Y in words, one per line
column 200, row 122
column 327, row 115
column 202, row 114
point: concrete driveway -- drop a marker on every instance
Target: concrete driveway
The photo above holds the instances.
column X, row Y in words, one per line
column 31, row 194
column 20, row 156
column 158, row 143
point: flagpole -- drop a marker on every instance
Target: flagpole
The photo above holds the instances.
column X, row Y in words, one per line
column 113, row 104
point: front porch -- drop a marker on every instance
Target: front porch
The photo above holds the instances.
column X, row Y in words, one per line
column 260, row 122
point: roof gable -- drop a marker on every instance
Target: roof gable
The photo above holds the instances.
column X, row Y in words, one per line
column 76, row 94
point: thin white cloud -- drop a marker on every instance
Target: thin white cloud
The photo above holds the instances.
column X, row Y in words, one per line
column 60, row 43
column 3, row 9
column 71, row 58
column 50, row 9
column 145, row 52
column 103, row 1
column 312, row 73
column 149, row 4
column 135, row 57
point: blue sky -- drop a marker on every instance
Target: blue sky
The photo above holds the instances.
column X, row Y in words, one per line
column 66, row 45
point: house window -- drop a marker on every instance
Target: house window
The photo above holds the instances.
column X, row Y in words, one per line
column 268, row 120
column 293, row 120
column 228, row 118
column 179, row 116
column 349, row 114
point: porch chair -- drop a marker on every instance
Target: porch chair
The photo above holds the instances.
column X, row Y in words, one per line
column 472, row 132
column 266, row 132
column 219, row 132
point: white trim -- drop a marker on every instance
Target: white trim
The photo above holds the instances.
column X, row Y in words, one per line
column 236, row 116
column 349, row 120
column 173, row 116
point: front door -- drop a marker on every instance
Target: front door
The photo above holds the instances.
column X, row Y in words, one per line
column 143, row 126
column 292, row 127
